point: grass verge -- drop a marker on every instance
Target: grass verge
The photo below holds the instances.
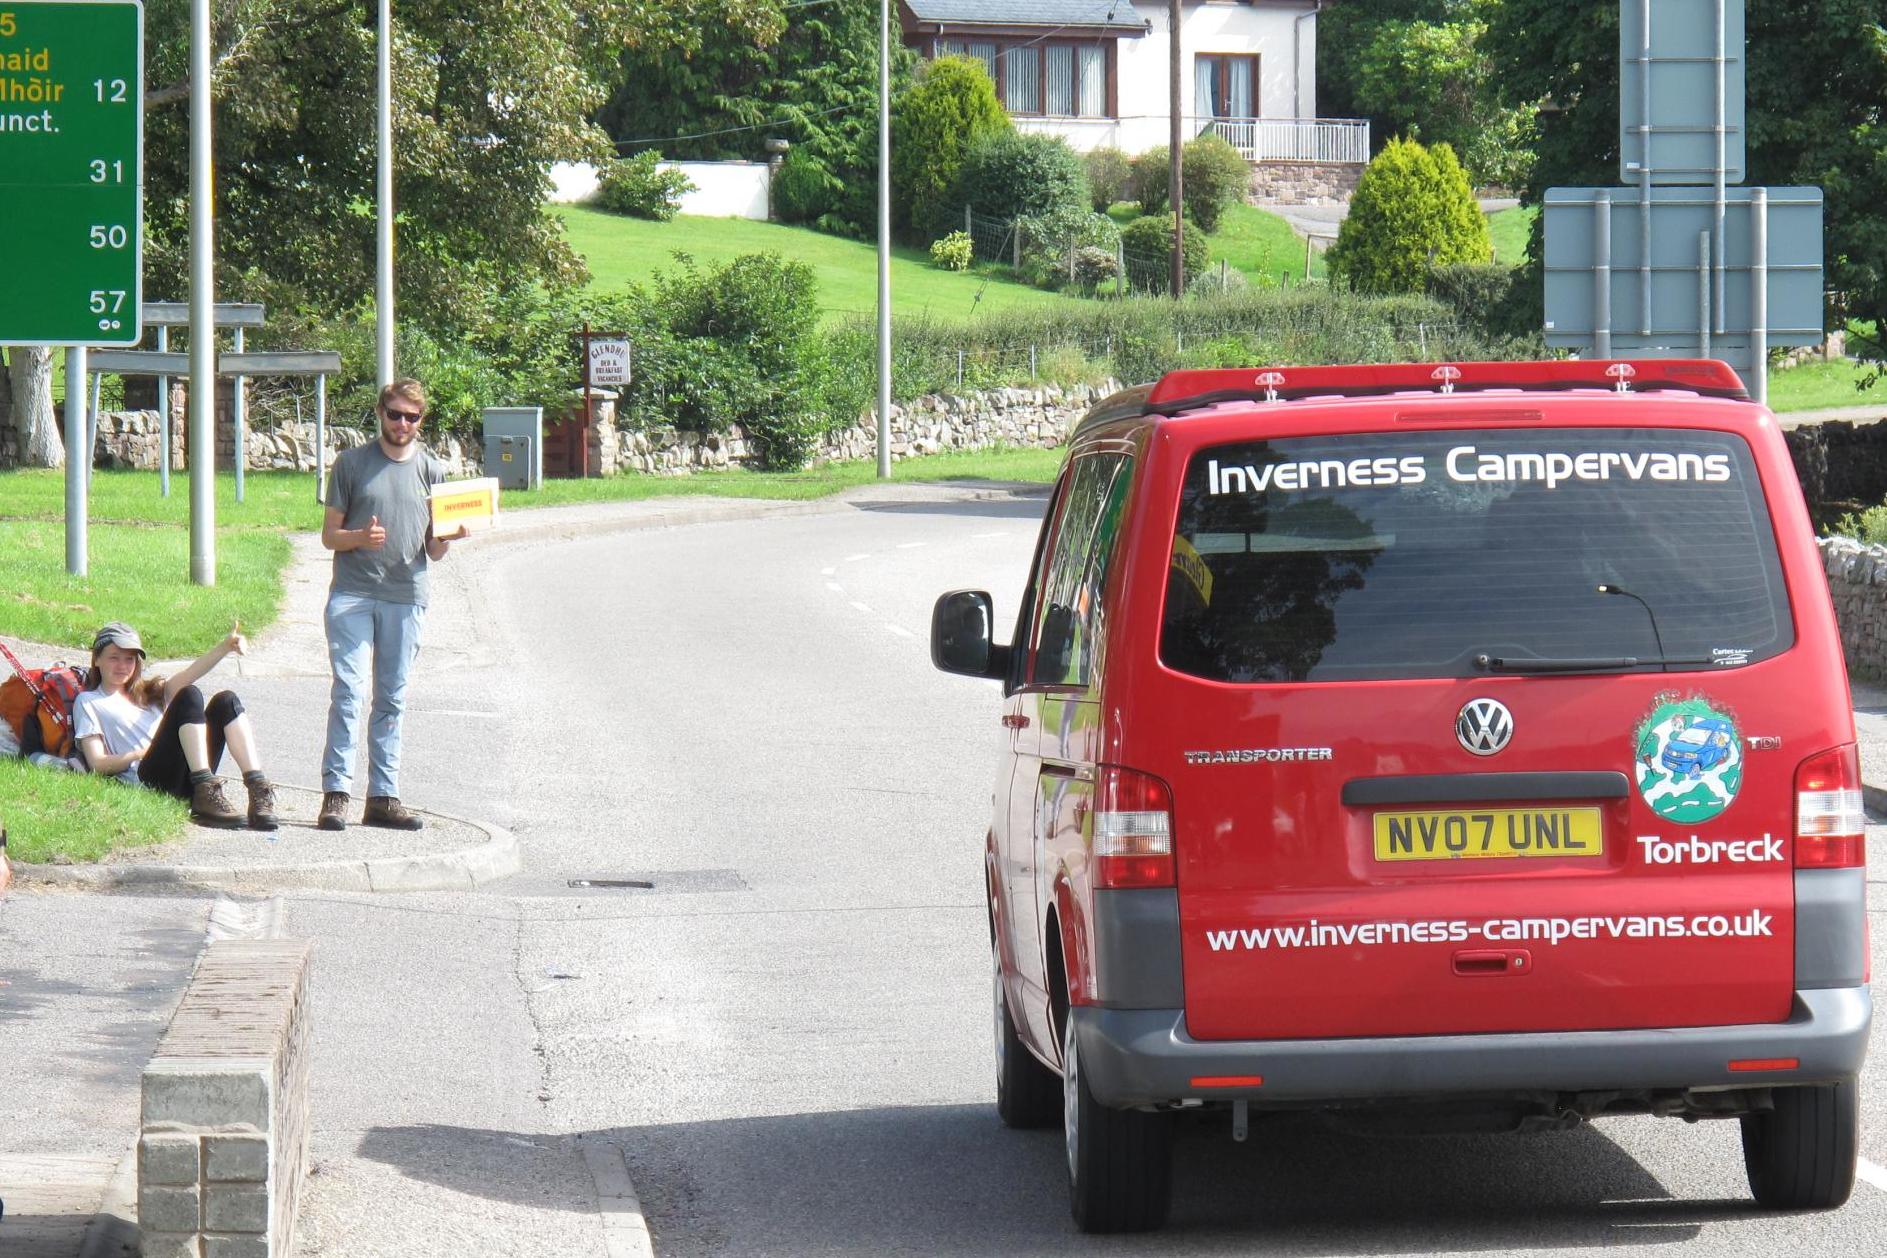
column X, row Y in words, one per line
column 1510, row 231
column 53, row 817
column 1813, row 386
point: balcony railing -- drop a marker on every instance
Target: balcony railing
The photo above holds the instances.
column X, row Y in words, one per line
column 1293, row 139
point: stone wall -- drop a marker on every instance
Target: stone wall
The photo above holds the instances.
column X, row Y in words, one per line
column 1303, row 183
column 1857, row 581
column 1842, row 467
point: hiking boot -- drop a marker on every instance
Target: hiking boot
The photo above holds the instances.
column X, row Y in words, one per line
column 210, row 807
column 333, row 811
column 261, row 806
column 388, row 812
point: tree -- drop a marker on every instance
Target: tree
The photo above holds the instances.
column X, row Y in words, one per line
column 812, row 81
column 486, row 96
column 946, row 114
column 29, row 370
column 1413, row 209
column 1817, row 76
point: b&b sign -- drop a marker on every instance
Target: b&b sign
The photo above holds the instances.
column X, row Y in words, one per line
column 609, row 362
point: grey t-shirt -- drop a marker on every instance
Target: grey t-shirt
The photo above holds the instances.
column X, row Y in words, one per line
column 122, row 724
column 365, row 483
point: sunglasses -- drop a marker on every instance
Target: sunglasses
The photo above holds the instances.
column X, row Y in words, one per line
column 406, row 417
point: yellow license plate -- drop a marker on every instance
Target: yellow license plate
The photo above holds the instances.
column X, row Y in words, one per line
column 1485, row 832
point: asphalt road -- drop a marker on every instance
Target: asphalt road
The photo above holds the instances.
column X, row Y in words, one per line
column 786, row 1036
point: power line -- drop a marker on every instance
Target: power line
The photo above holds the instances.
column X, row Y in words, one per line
column 758, row 126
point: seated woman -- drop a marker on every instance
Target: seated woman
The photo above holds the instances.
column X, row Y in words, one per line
column 158, row 732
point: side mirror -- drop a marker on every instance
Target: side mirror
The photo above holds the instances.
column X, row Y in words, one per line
column 960, row 636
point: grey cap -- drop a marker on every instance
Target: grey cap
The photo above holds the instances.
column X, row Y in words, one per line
column 117, row 633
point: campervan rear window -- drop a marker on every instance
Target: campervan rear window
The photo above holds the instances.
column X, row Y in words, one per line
column 1404, row 555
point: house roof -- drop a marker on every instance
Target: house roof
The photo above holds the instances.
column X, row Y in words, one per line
column 1090, row 14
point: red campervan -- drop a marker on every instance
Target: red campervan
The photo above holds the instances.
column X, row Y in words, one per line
column 1470, row 742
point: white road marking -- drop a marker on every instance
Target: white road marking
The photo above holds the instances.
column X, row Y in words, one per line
column 826, row 572
column 985, row 537
column 911, row 545
column 625, row 1231
column 862, row 607
column 1872, row 1172
column 834, row 586
column 900, row 630
column 855, row 558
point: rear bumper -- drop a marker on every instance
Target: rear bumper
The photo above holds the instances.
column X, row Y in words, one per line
column 1144, row 1056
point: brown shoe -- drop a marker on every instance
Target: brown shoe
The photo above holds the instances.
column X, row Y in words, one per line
column 210, row 807
column 388, row 812
column 333, row 811
column 261, row 806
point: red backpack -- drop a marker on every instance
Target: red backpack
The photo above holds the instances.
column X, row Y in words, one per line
column 37, row 703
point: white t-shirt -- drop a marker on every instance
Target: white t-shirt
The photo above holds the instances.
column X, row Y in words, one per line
column 121, row 723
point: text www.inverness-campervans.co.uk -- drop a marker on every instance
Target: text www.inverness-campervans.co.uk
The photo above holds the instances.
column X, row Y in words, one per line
column 1754, row 924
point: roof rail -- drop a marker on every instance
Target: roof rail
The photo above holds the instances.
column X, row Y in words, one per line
column 1188, row 390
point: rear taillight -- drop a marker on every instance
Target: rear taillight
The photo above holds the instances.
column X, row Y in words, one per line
column 1133, row 830
column 1830, row 826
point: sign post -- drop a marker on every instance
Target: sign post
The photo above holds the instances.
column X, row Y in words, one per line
column 71, row 175
column 605, row 360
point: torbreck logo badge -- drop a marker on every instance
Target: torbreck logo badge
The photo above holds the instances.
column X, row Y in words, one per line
column 1484, row 726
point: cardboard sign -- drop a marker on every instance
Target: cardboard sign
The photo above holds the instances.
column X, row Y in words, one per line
column 470, row 504
column 609, row 362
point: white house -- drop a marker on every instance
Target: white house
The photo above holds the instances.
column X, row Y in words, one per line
column 1097, row 72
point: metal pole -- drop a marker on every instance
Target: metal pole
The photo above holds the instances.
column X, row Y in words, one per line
column 1703, row 294
column 384, row 317
column 1602, row 275
column 239, row 417
column 1175, row 173
column 884, row 239
column 78, row 462
column 1644, row 174
column 202, row 413
column 321, row 438
column 1716, row 225
column 163, row 418
column 91, row 418
column 1759, row 294
column 583, row 441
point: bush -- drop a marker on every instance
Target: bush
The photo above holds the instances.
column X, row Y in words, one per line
column 1413, row 209
column 1048, row 238
column 1016, row 175
column 1110, row 177
column 1095, row 266
column 1148, row 244
column 1217, row 281
column 640, row 187
column 1216, row 179
column 804, row 189
column 1477, row 291
column 954, row 252
column 737, row 344
column 949, row 109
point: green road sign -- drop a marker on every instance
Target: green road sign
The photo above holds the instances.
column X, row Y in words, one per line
column 71, row 171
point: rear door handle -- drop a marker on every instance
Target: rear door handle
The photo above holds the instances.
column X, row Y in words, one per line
column 1015, row 720
column 1493, row 962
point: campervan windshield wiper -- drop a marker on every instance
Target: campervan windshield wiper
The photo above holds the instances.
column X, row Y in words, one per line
column 1601, row 664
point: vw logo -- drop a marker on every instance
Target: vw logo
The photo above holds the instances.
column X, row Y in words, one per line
column 1485, row 726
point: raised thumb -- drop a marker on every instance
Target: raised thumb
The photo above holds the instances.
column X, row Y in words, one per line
column 374, row 523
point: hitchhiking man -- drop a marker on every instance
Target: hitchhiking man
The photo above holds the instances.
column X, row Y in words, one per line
column 379, row 526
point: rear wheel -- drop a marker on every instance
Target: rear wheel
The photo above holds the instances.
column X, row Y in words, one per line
column 1119, row 1161
column 1801, row 1154
column 1027, row 1092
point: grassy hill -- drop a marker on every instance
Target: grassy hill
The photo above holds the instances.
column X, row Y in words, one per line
column 624, row 250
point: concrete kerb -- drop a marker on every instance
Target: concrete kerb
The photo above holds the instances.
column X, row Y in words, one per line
column 497, row 857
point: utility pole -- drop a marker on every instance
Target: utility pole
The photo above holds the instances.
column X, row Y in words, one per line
column 1175, row 179
column 884, row 239
column 202, row 411
column 383, row 203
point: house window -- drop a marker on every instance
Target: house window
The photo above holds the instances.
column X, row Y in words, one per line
column 1057, row 78
column 1223, row 85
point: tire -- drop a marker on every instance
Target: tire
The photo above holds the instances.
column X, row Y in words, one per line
column 1120, row 1164
column 1028, row 1094
column 1801, row 1155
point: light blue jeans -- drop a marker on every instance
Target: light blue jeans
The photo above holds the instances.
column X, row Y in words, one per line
column 360, row 627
